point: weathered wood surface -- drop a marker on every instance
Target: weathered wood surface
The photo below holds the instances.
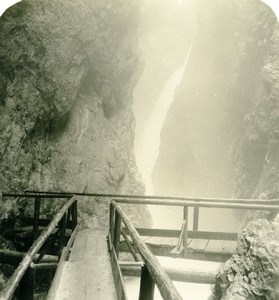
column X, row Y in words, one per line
column 117, row 196
column 147, row 285
column 199, row 249
column 210, row 235
column 87, row 274
column 198, row 245
column 13, row 282
column 182, row 275
column 162, row 280
column 15, row 257
column 221, row 246
column 118, row 277
column 64, row 256
column 274, row 206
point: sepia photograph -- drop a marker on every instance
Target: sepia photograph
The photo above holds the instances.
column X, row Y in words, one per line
column 139, row 150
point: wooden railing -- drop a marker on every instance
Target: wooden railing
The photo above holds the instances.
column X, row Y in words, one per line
column 23, row 277
column 152, row 272
column 185, row 233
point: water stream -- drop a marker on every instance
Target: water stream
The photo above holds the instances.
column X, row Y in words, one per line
column 147, row 148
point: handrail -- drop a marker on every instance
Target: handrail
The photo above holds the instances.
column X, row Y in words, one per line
column 116, row 196
column 8, row 291
column 200, row 204
column 159, row 275
column 39, row 195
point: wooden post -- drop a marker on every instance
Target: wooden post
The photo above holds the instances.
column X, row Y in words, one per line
column 196, row 218
column 147, row 285
column 185, row 212
column 130, row 246
column 74, row 215
column 185, row 238
column 112, row 221
column 185, row 234
column 27, row 285
column 37, row 207
column 62, row 232
column 117, row 230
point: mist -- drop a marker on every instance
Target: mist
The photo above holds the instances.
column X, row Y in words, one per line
column 186, row 136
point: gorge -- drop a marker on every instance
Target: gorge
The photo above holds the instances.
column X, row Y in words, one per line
column 109, row 96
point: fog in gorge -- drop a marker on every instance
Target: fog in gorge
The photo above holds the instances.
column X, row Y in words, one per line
column 162, row 97
column 200, row 67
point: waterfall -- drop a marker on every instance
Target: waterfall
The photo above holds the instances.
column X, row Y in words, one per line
column 147, row 148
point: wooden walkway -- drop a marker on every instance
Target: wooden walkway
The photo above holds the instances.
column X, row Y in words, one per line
column 88, row 273
column 202, row 249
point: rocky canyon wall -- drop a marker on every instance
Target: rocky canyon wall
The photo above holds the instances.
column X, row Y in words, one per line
column 67, row 74
column 215, row 139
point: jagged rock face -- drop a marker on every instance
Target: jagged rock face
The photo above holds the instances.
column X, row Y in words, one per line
column 257, row 168
column 252, row 273
column 221, row 84
column 67, row 70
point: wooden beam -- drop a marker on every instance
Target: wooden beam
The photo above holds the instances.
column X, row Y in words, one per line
column 147, row 285
column 14, row 280
column 236, row 205
column 27, row 285
column 165, row 250
column 44, row 266
column 196, row 218
column 160, row 277
column 112, row 222
column 229, row 236
column 135, row 197
column 15, row 257
column 117, row 230
column 182, row 275
column 37, row 206
column 117, row 275
column 130, row 246
column 64, row 256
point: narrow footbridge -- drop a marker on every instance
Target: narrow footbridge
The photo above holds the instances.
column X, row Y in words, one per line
column 87, row 262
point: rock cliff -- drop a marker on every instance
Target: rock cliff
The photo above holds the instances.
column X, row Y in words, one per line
column 220, row 137
column 252, row 273
column 222, row 83
column 67, row 73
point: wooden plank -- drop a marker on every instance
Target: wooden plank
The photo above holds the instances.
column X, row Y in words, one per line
column 87, row 275
column 162, row 241
column 158, row 232
column 165, row 250
column 198, row 245
column 78, row 249
column 221, row 246
column 59, row 270
column 117, row 275
column 210, row 235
